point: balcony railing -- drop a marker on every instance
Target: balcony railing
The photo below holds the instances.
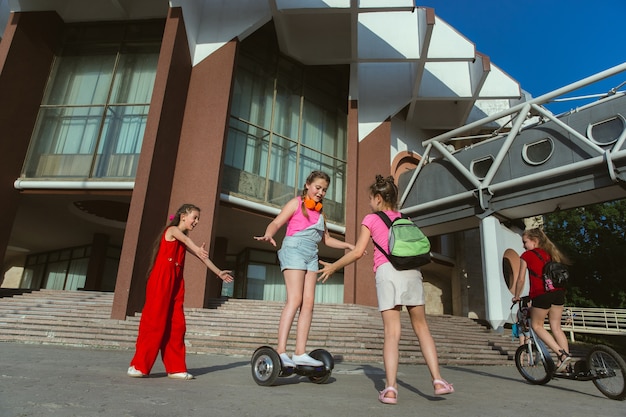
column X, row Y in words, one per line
column 593, row 320
column 83, row 166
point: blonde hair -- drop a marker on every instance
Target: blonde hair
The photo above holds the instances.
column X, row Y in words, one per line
column 546, row 244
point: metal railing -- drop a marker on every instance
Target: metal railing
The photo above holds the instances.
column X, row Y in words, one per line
column 593, row 320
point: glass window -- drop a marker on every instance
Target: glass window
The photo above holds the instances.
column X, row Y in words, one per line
column 536, row 153
column 55, row 276
column 92, row 119
column 256, row 281
column 76, row 274
column 320, row 127
column 288, row 104
column 480, row 167
column 32, row 275
column 253, row 93
column 607, row 132
column 287, row 119
column 66, row 269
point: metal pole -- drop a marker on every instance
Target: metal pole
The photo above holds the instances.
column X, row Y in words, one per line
column 539, row 100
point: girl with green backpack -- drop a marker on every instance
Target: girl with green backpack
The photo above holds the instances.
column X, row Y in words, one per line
column 394, row 289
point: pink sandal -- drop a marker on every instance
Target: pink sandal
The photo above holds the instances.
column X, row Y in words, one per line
column 444, row 387
column 388, row 400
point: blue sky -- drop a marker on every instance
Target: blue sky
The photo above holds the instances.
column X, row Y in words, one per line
column 544, row 44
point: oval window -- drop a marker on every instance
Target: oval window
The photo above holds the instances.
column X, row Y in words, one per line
column 510, row 268
column 507, row 272
column 606, row 132
column 538, row 152
column 480, row 166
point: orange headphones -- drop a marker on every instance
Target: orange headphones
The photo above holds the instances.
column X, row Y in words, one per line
column 311, row 204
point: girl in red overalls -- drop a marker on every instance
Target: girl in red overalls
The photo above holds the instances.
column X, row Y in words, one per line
column 162, row 326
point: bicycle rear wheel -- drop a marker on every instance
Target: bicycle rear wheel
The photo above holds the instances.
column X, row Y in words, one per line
column 531, row 364
column 610, row 371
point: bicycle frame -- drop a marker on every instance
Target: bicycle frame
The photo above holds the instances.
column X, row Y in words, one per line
column 602, row 365
column 543, row 349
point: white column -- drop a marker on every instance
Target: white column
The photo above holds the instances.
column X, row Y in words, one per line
column 495, row 240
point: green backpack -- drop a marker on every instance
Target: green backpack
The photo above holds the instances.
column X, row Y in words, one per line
column 409, row 248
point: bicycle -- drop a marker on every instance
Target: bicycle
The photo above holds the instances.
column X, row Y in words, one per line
column 602, row 365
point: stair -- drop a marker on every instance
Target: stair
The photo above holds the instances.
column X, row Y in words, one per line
column 352, row 333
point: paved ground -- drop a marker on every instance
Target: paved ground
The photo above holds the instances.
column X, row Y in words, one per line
column 38, row 380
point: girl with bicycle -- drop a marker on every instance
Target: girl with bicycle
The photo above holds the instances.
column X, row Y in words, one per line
column 539, row 250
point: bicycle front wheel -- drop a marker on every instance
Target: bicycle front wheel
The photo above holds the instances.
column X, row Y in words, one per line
column 531, row 365
column 609, row 369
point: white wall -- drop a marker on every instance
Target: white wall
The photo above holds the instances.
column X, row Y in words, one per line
column 495, row 240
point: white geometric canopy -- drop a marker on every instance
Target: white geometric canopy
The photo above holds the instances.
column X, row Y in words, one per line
column 401, row 56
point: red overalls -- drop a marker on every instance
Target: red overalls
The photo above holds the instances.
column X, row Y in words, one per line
column 162, row 325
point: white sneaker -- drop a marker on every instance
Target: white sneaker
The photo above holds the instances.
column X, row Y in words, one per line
column 306, row 360
column 135, row 373
column 286, row 360
column 180, row 375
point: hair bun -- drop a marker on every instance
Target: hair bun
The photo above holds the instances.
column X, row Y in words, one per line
column 382, row 181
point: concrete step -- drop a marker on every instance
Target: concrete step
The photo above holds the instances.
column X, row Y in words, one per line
column 352, row 333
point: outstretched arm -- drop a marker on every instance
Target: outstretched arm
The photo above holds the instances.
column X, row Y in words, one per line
column 176, row 233
column 352, row 256
column 200, row 252
column 278, row 222
column 336, row 243
column 221, row 274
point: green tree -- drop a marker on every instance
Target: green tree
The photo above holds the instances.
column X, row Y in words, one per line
column 593, row 237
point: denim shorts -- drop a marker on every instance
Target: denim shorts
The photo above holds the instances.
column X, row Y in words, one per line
column 298, row 253
column 398, row 288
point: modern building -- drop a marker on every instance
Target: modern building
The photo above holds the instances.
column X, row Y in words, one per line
column 115, row 112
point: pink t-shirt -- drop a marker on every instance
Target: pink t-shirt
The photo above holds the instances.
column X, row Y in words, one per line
column 298, row 222
column 380, row 233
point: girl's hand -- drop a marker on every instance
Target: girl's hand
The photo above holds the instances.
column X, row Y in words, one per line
column 325, row 272
column 226, row 276
column 202, row 252
column 266, row 238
